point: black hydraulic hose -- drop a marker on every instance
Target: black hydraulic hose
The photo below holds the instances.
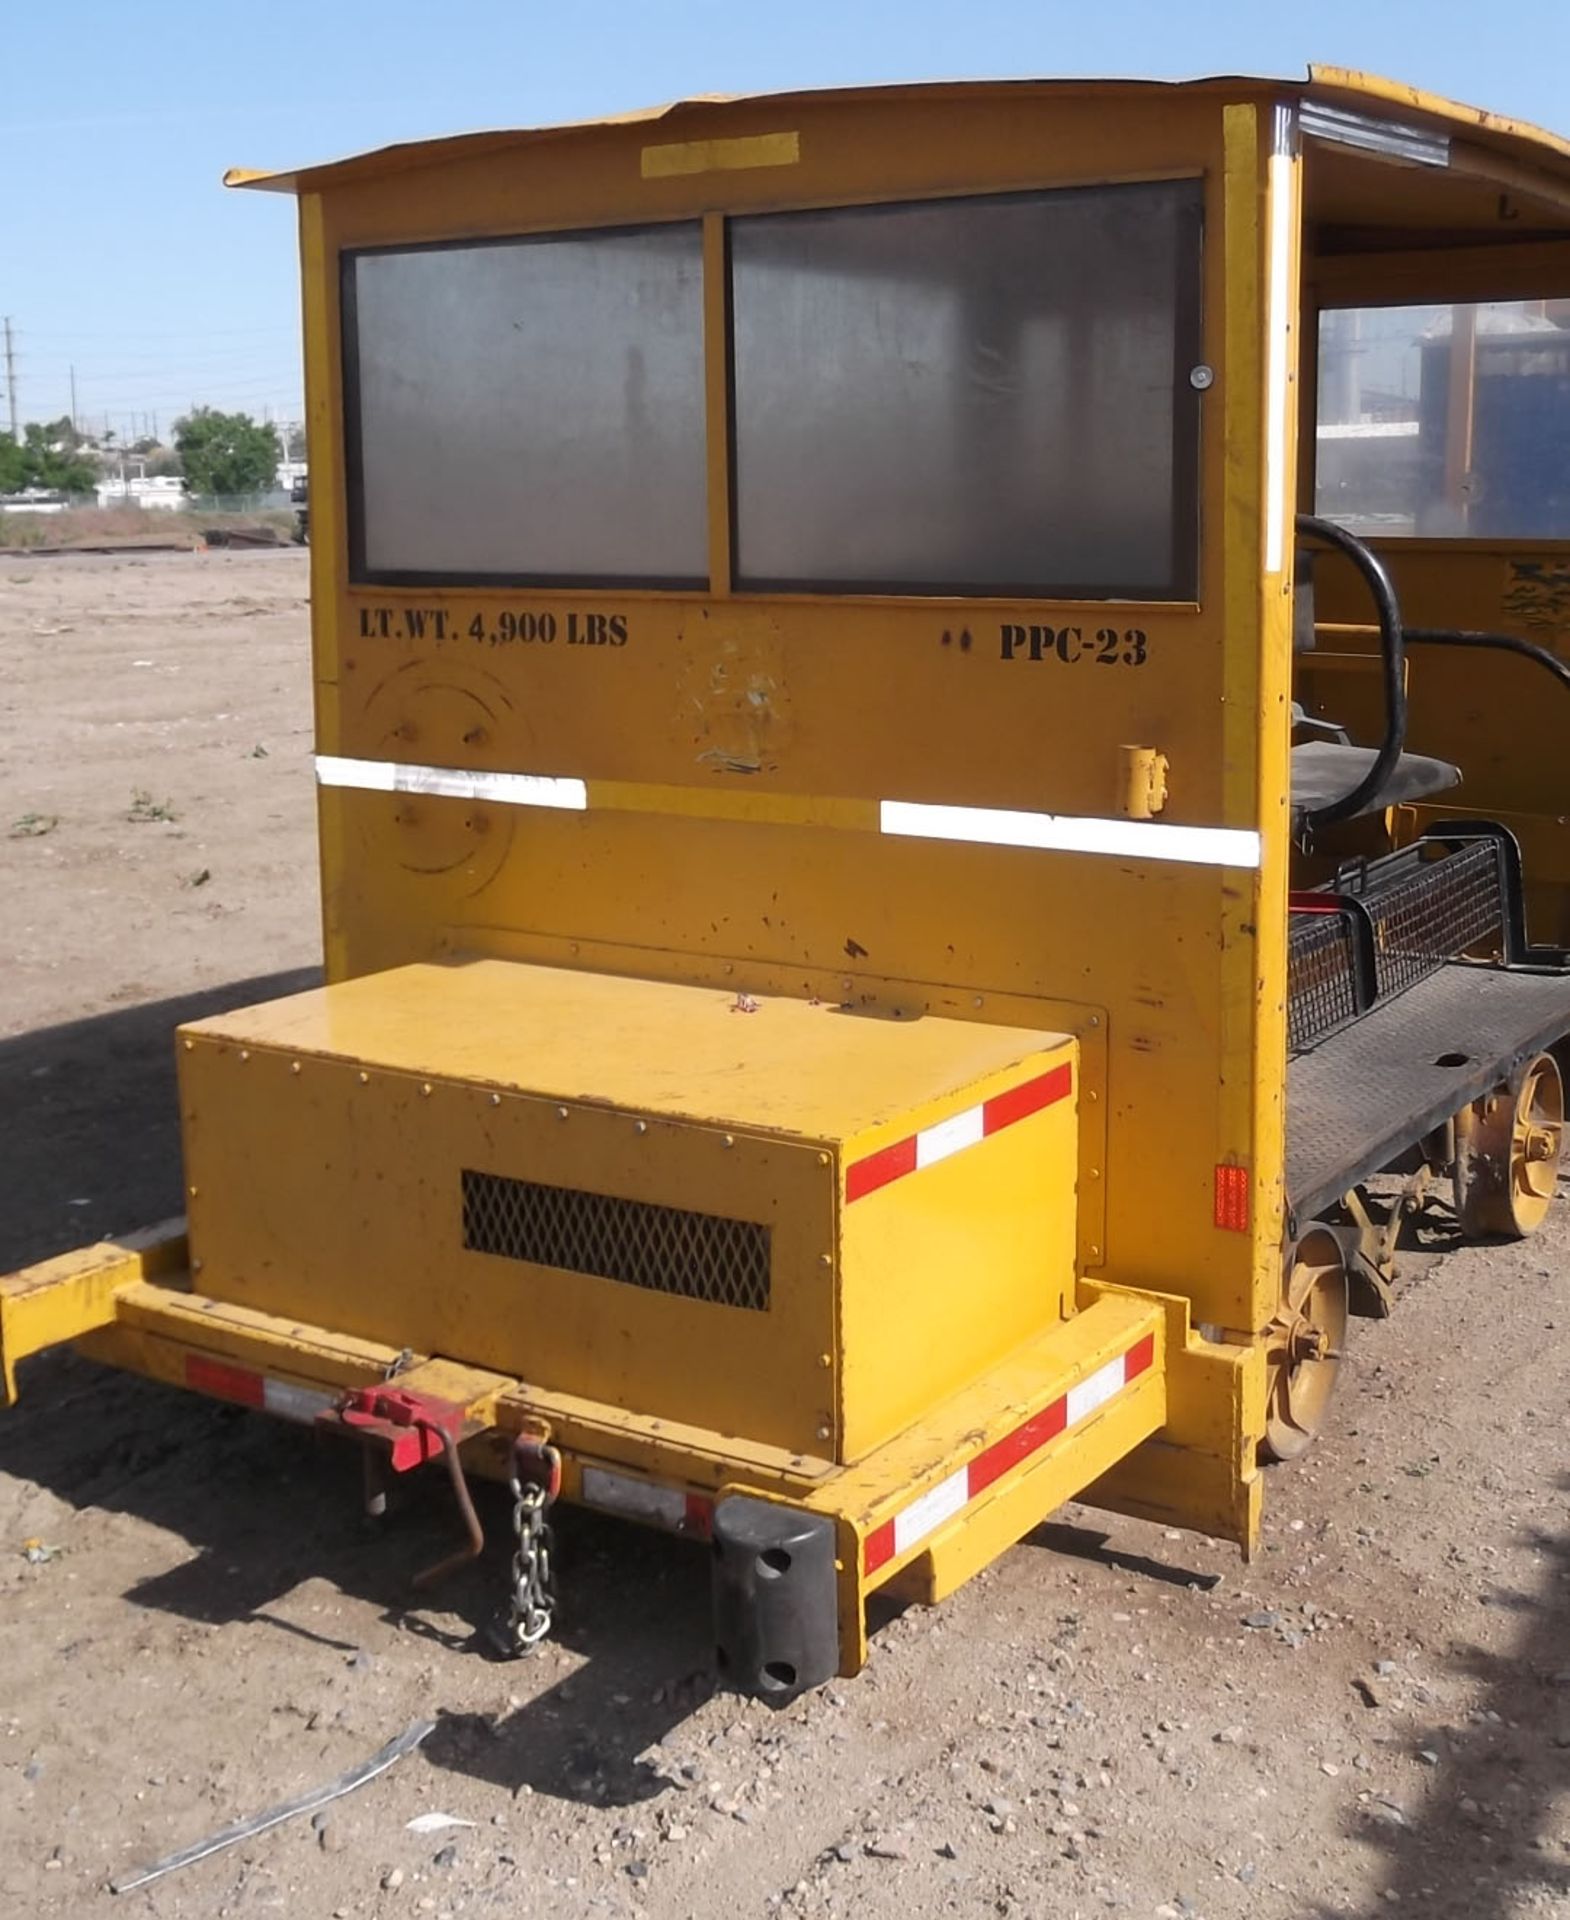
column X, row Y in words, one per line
column 1502, row 642
column 1393, row 653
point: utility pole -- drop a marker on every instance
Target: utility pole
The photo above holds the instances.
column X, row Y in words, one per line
column 10, row 380
column 73, row 400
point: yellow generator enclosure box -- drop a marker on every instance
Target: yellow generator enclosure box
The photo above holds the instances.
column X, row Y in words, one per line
column 797, row 1224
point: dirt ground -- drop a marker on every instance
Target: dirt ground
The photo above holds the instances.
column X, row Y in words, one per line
column 1373, row 1718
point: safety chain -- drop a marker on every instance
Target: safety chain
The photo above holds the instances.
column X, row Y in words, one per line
column 535, row 1481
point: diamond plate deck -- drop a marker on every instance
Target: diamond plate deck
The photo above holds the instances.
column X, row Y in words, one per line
column 1365, row 1094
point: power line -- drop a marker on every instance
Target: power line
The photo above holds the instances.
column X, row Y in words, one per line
column 164, row 333
column 10, row 380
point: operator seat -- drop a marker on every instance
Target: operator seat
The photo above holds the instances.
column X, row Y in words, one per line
column 1324, row 770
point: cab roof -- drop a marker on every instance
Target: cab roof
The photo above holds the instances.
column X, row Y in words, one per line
column 1334, row 88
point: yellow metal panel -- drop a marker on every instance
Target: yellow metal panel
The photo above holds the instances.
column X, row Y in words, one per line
column 1262, row 178
column 721, row 156
column 947, row 1270
column 326, row 1195
column 1202, row 1470
column 269, row 1343
column 938, row 922
column 818, row 1071
column 158, row 1327
column 1024, row 1500
column 61, row 1299
column 327, row 1136
column 735, row 754
column 914, row 1465
column 1500, row 719
column 1362, row 91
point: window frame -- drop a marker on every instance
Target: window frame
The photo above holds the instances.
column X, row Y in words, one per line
column 1181, row 589
column 1182, row 586
column 360, row 574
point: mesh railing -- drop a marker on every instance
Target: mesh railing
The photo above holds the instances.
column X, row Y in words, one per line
column 1321, row 977
column 1381, row 926
column 1433, row 911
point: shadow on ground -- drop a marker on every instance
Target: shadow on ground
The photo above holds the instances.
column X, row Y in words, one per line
column 1490, row 1840
column 88, row 1113
column 88, row 1110
column 89, row 1126
column 265, row 1507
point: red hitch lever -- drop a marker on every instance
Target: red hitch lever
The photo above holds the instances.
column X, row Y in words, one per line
column 409, row 1425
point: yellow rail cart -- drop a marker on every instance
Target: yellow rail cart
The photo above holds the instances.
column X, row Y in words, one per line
column 940, row 729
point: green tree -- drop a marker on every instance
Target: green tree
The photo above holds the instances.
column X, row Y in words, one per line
column 47, row 457
column 225, row 452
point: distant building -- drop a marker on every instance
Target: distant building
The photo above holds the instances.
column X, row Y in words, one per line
column 141, row 490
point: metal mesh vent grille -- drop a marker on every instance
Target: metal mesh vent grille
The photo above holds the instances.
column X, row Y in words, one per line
column 1321, row 977
column 701, row 1256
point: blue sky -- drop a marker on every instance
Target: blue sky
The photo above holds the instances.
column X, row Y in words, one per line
column 121, row 255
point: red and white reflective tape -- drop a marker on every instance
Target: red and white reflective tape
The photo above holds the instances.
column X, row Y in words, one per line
column 960, row 1130
column 950, row 1496
column 247, row 1388
column 656, row 1506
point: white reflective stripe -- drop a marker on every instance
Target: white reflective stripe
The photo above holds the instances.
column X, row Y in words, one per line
column 454, row 783
column 1096, row 1391
column 1278, row 324
column 637, row 1499
column 938, row 1504
column 953, row 1135
column 1073, row 833
column 988, row 826
column 290, row 1402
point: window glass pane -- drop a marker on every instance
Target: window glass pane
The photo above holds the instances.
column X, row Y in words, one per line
column 531, row 409
column 985, row 395
column 1446, row 420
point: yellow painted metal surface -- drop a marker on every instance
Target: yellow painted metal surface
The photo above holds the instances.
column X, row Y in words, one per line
column 737, row 751
column 1202, row 1470
column 1500, row 719
column 162, row 1329
column 327, row 1137
column 720, row 156
column 59, row 1300
column 708, row 975
column 1341, row 86
column 792, row 1066
column 957, row 1431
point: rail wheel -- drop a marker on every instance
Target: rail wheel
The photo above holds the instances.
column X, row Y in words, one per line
column 1303, row 1345
column 1509, row 1154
